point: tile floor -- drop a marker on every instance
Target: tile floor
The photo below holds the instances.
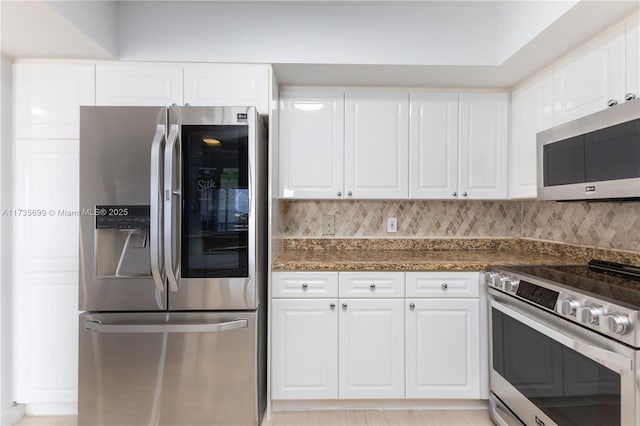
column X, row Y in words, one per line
column 335, row 418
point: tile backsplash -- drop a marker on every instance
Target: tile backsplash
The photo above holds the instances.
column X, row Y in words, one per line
column 607, row 225
column 602, row 224
column 415, row 218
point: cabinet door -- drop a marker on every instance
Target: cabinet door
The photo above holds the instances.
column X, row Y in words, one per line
column 311, row 144
column 433, row 145
column 376, row 144
column 583, row 83
column 531, row 112
column 45, row 253
column 304, row 349
column 48, row 99
column 138, row 85
column 483, row 145
column 227, row 85
column 442, row 344
column 371, row 349
column 633, row 58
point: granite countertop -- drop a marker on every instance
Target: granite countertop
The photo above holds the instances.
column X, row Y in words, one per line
column 408, row 260
column 433, row 254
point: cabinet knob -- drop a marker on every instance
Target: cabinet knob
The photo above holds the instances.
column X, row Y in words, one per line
column 412, row 305
column 332, row 305
column 454, row 194
column 339, row 194
column 349, row 193
column 304, row 286
column 344, row 306
column 445, row 286
column 612, row 102
column 629, row 96
column 373, row 286
column 464, row 194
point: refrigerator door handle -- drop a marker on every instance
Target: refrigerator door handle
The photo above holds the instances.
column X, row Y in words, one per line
column 168, row 206
column 98, row 326
column 155, row 246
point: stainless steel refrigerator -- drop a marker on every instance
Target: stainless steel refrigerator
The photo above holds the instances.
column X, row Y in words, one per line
column 173, row 228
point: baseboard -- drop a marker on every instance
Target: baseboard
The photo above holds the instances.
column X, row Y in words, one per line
column 385, row 404
column 12, row 415
column 52, row 409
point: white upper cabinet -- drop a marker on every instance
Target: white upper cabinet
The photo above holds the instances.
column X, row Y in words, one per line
column 47, row 99
column 433, row 147
column 633, row 58
column 531, row 112
column 311, row 144
column 586, row 81
column 227, row 85
column 138, row 85
column 483, row 124
column 376, row 144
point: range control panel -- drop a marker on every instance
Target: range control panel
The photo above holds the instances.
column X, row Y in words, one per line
column 604, row 317
column 122, row 217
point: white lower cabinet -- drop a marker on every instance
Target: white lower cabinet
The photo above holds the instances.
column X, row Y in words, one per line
column 426, row 345
column 443, row 348
column 371, row 349
column 304, row 347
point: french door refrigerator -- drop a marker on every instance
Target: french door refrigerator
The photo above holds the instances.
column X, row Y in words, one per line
column 173, row 226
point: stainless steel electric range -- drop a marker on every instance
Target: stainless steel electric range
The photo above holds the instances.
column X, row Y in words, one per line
column 565, row 344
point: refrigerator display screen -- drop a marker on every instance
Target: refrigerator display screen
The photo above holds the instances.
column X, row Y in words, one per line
column 215, row 210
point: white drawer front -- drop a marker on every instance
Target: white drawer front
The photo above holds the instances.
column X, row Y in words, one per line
column 305, row 284
column 443, row 284
column 372, row 284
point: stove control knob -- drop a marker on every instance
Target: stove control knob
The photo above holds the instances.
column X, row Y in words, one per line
column 589, row 314
column 511, row 285
column 488, row 277
column 616, row 323
column 497, row 281
column 567, row 306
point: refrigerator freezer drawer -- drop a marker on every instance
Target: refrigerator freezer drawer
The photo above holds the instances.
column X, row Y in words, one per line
column 198, row 368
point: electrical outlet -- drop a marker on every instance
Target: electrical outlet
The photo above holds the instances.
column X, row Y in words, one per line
column 328, row 225
column 392, row 224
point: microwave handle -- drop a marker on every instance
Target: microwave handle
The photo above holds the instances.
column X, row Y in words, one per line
column 155, row 208
column 607, row 358
column 168, row 206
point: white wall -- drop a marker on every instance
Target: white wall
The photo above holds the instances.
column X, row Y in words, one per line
column 97, row 19
column 520, row 21
column 308, row 33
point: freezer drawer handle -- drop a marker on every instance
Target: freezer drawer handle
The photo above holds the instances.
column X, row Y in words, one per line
column 99, row 327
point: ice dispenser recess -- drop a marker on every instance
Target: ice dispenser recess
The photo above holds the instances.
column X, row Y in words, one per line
column 122, row 241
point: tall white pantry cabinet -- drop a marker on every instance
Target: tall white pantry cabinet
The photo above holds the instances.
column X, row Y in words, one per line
column 47, row 101
column 47, row 97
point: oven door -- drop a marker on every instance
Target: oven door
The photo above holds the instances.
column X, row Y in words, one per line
column 549, row 371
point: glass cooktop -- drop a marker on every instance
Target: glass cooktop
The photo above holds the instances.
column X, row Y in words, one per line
column 609, row 281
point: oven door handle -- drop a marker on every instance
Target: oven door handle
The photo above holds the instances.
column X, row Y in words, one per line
column 605, row 357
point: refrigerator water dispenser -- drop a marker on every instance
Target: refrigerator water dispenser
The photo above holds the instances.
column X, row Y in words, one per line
column 122, row 242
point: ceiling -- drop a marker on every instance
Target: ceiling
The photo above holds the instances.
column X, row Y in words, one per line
column 492, row 44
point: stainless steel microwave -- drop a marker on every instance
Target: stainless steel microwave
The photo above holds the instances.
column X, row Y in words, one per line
column 591, row 158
